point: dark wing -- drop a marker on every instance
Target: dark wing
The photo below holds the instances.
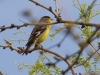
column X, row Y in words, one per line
column 35, row 33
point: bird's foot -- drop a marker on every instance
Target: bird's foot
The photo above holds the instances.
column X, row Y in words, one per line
column 38, row 46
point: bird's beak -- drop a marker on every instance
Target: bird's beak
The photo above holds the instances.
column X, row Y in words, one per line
column 51, row 19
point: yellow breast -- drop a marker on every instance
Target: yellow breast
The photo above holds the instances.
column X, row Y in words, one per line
column 44, row 35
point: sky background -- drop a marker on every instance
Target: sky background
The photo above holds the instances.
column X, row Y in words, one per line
column 10, row 13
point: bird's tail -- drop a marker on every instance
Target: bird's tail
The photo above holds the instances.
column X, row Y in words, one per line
column 26, row 50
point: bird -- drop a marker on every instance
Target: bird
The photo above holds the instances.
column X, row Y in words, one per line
column 39, row 33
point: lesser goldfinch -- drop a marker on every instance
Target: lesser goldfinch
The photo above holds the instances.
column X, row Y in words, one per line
column 39, row 33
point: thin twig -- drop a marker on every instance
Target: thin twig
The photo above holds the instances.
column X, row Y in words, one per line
column 59, row 44
column 94, row 48
column 49, row 9
column 11, row 48
column 82, row 46
column 2, row 28
column 40, row 48
column 56, row 5
column 84, row 15
column 87, row 58
column 56, row 54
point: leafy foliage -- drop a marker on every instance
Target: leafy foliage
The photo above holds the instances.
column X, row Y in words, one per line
column 86, row 14
column 89, row 65
column 58, row 30
column 39, row 68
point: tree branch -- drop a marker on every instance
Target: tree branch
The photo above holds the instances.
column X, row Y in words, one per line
column 21, row 50
column 56, row 54
column 2, row 28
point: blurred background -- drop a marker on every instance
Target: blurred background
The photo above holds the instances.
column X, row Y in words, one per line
column 19, row 11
